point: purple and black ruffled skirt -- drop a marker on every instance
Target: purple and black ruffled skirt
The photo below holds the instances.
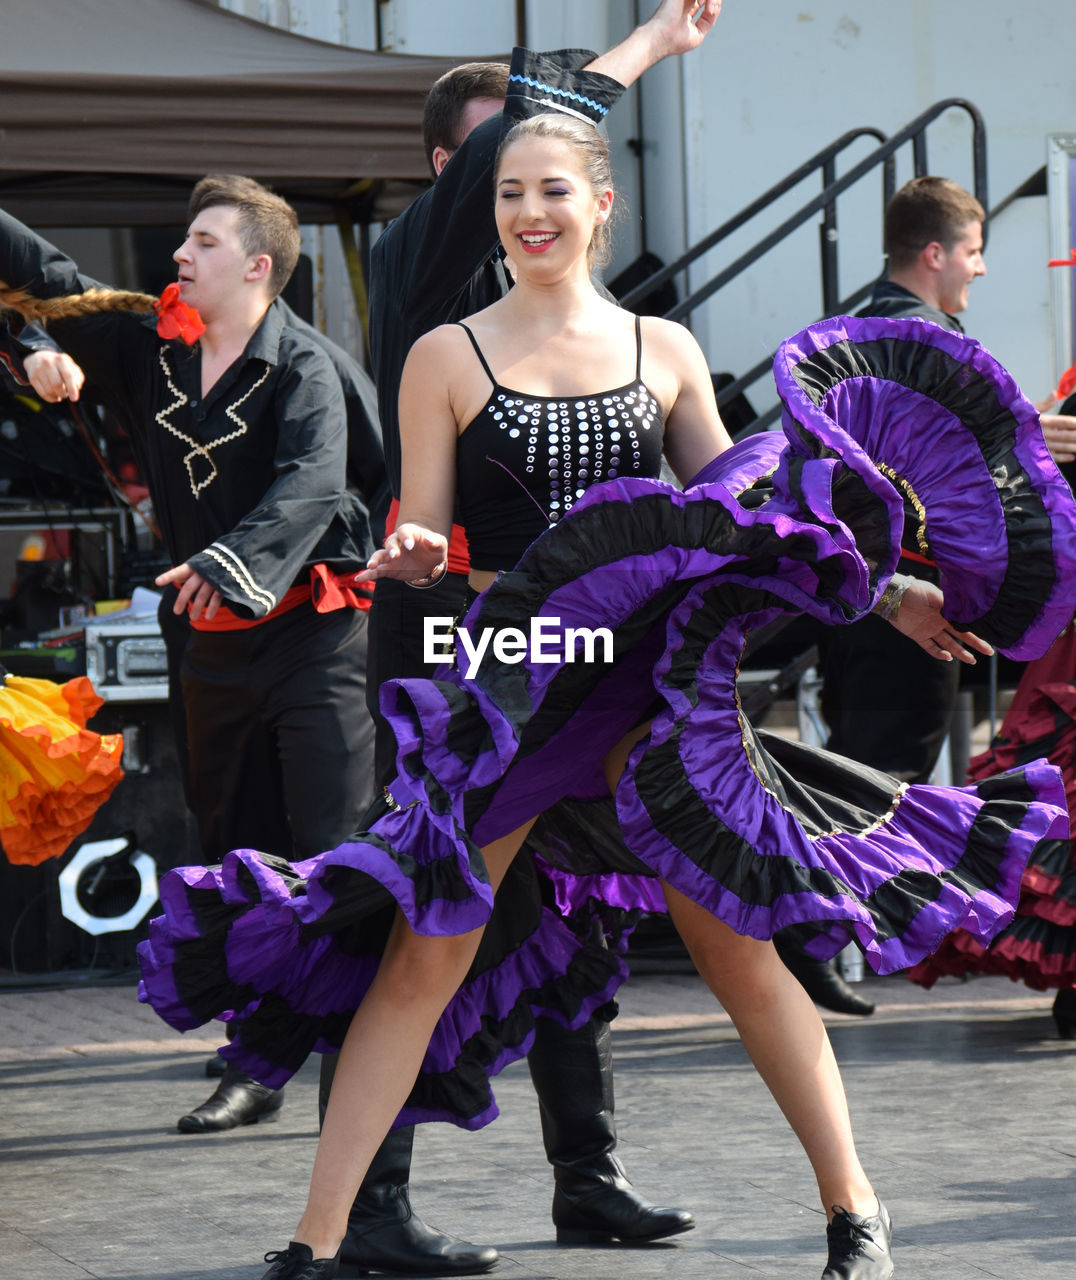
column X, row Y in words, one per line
column 646, row 595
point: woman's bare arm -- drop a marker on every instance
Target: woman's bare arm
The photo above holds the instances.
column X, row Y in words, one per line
column 417, row 549
column 694, row 432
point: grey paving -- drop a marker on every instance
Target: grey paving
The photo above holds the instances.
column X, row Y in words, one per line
column 963, row 1102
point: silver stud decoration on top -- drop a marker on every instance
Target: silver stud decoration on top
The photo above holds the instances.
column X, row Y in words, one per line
column 575, row 443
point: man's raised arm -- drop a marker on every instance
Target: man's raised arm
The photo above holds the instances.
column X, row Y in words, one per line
column 676, row 27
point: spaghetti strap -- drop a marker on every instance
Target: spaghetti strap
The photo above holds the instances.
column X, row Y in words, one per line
column 638, row 348
column 478, row 352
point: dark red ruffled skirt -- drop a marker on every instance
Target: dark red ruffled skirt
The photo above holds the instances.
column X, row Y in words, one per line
column 1039, row 946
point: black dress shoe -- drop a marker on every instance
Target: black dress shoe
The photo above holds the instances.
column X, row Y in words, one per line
column 606, row 1207
column 215, row 1067
column 297, row 1262
column 407, row 1246
column 821, row 981
column 859, row 1248
column 237, row 1100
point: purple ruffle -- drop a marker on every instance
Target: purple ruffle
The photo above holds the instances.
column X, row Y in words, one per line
column 902, row 426
column 575, row 894
column 318, row 979
column 805, row 525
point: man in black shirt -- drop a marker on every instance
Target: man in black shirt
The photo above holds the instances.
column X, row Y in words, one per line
column 438, row 262
column 243, row 442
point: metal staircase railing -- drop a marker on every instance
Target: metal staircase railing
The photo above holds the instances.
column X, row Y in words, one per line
column 825, row 163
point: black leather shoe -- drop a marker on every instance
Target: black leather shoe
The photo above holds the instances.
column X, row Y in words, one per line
column 603, row 1208
column 215, row 1067
column 821, row 981
column 407, row 1246
column 237, row 1100
column 859, row 1248
column 297, row 1262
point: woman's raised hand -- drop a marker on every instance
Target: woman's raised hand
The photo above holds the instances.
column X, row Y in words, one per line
column 411, row 553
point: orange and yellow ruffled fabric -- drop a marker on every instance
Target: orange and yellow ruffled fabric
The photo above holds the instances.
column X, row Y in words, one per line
column 54, row 772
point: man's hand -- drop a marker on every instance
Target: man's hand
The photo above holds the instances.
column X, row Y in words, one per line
column 54, row 375
column 1059, row 432
column 679, row 26
column 919, row 617
column 676, row 26
column 194, row 592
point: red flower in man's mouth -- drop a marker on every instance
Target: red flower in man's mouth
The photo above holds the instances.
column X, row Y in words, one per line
column 177, row 319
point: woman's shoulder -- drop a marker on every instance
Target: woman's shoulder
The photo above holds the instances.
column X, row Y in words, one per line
column 667, row 334
column 668, row 342
column 442, row 367
column 439, row 345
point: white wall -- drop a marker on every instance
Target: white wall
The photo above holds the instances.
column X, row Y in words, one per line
column 462, row 30
column 780, row 79
column 349, row 22
column 776, row 81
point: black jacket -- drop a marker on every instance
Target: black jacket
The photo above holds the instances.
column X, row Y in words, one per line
column 897, row 303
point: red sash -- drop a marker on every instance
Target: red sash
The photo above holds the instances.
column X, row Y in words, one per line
column 328, row 591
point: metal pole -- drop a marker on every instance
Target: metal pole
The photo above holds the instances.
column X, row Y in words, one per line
column 640, row 144
column 828, row 231
column 919, row 153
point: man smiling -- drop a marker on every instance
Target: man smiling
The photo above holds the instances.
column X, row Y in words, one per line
column 934, row 249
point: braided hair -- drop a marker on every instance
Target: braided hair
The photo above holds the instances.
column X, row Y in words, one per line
column 92, row 302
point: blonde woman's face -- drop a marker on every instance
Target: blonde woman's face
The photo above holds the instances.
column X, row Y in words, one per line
column 546, row 211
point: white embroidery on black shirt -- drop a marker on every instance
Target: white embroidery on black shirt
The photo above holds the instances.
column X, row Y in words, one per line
column 199, row 449
column 243, row 577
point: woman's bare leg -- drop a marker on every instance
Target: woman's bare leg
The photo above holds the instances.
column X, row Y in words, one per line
column 780, row 1029
column 381, row 1057
column 783, row 1033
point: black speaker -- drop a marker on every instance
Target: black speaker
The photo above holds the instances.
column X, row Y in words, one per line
column 145, row 814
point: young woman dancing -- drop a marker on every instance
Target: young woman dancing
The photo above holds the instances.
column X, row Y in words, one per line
column 514, row 417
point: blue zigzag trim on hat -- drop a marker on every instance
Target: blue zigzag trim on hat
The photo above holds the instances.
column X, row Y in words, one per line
column 563, row 93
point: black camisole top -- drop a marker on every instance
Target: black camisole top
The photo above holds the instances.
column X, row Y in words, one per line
column 524, row 460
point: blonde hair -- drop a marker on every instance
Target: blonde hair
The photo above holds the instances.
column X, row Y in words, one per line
column 592, row 152
column 91, row 303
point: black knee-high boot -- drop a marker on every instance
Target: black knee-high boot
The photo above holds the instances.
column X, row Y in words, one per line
column 819, row 978
column 593, row 1201
column 384, row 1233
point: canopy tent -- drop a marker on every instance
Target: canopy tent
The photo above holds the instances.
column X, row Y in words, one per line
column 109, row 109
